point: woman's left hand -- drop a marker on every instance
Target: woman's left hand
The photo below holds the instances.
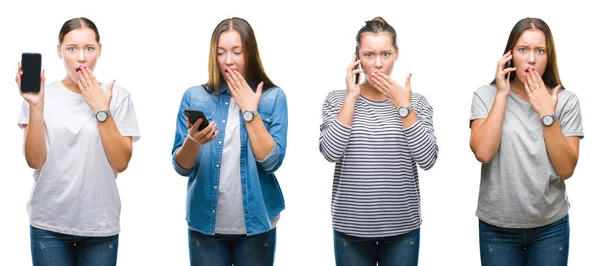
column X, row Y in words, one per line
column 94, row 95
column 396, row 93
column 542, row 101
column 241, row 92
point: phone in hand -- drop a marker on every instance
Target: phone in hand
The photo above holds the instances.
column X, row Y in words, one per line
column 194, row 115
column 357, row 75
column 31, row 65
column 508, row 64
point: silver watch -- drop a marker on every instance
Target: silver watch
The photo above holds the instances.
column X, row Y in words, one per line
column 101, row 116
column 404, row 110
column 548, row 120
column 249, row 115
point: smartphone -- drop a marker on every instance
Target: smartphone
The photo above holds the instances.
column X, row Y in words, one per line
column 194, row 115
column 357, row 75
column 508, row 64
column 31, row 65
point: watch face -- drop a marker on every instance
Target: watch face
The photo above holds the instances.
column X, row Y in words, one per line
column 547, row 120
column 403, row 111
column 248, row 116
column 101, row 116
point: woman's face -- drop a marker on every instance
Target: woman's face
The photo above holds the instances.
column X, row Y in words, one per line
column 377, row 53
column 79, row 48
column 530, row 51
column 230, row 53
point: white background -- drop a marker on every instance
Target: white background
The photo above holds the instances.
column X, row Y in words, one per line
column 157, row 51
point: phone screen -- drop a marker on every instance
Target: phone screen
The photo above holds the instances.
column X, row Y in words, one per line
column 31, row 65
column 194, row 115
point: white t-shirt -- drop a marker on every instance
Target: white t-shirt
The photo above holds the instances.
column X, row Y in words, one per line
column 75, row 191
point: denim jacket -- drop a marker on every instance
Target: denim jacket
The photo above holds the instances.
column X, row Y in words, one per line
column 261, row 195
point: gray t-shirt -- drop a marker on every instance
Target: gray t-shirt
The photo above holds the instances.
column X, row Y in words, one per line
column 519, row 187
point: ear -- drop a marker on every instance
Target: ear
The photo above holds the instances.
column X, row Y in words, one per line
column 396, row 57
column 58, row 52
column 99, row 50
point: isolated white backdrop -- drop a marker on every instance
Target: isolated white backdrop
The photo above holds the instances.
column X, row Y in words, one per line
column 156, row 51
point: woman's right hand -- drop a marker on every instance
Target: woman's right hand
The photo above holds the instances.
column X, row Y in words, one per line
column 502, row 80
column 31, row 98
column 351, row 86
column 201, row 136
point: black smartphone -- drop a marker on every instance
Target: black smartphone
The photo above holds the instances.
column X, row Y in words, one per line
column 31, row 65
column 508, row 64
column 194, row 115
column 357, row 75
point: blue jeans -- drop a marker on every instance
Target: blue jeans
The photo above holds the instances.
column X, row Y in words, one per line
column 546, row 245
column 225, row 250
column 394, row 250
column 50, row 248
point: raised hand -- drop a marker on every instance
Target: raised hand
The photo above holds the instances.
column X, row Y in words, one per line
column 353, row 89
column 241, row 92
column 93, row 94
column 542, row 101
column 502, row 79
column 203, row 136
column 31, row 98
column 397, row 94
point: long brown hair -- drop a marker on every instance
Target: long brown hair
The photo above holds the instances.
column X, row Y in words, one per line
column 551, row 77
column 255, row 72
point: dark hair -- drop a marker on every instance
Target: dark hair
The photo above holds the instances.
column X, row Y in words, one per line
column 377, row 25
column 255, row 72
column 551, row 76
column 76, row 23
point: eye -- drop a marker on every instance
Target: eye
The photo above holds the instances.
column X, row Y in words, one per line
column 219, row 53
column 71, row 49
column 237, row 53
column 522, row 50
column 540, row 51
column 91, row 49
column 369, row 55
column 386, row 54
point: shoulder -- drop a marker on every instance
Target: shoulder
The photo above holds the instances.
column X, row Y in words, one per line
column 486, row 92
column 273, row 93
column 418, row 98
column 336, row 97
column 567, row 98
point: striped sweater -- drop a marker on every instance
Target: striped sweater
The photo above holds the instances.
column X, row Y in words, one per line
column 375, row 183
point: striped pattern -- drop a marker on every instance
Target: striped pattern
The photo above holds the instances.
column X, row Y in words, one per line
column 376, row 185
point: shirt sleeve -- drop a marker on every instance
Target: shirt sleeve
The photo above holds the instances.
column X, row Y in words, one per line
column 124, row 115
column 570, row 118
column 334, row 135
column 278, row 131
column 421, row 136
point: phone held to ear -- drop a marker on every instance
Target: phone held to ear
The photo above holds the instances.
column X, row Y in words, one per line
column 31, row 65
column 194, row 115
column 508, row 64
column 357, row 75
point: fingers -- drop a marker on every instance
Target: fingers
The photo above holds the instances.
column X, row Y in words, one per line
column 187, row 122
column 18, row 77
column 385, row 80
column 110, row 87
column 81, row 80
column 530, row 85
column 555, row 91
column 90, row 76
column 42, row 80
column 259, row 87
column 527, row 89
column 236, row 77
column 407, row 81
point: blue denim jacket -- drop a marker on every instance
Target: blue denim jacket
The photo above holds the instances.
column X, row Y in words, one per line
column 262, row 196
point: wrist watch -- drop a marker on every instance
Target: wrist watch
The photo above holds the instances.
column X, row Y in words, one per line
column 404, row 110
column 101, row 116
column 548, row 120
column 249, row 115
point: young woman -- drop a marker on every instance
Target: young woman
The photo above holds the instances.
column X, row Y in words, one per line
column 525, row 130
column 377, row 132
column 78, row 136
column 233, row 197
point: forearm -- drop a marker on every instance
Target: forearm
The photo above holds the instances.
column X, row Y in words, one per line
column 261, row 140
column 486, row 140
column 35, row 138
column 422, row 145
column 118, row 149
column 188, row 153
column 562, row 155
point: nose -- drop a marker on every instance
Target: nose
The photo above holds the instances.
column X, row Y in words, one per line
column 378, row 62
column 81, row 57
column 531, row 57
column 229, row 59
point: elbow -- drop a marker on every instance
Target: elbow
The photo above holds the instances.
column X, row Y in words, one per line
column 121, row 168
column 35, row 162
column 564, row 175
column 482, row 156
